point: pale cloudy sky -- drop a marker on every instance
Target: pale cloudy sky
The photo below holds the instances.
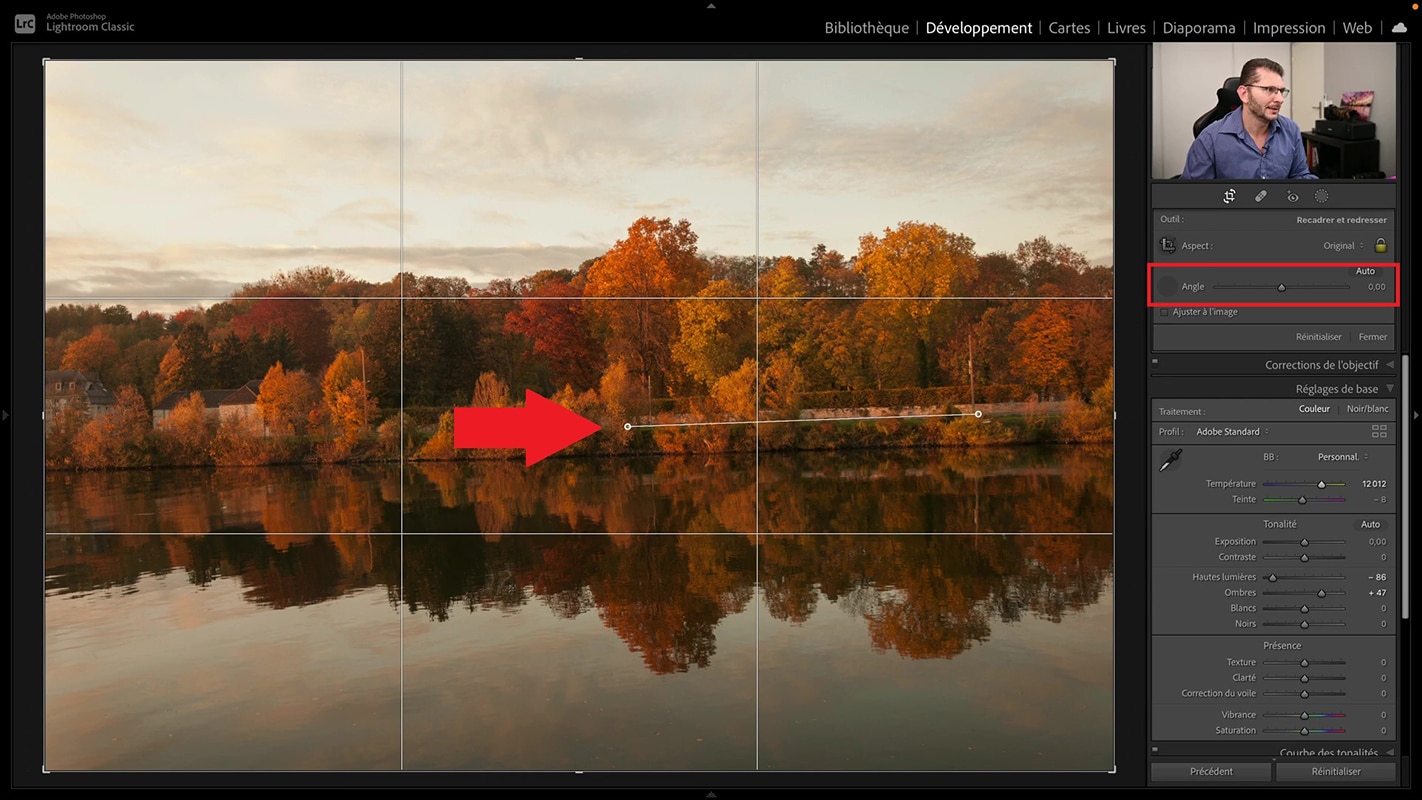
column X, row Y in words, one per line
column 184, row 180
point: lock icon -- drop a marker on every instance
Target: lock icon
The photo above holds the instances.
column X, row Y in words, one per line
column 1380, row 246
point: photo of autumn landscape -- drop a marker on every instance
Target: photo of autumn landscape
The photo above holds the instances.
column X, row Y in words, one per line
column 850, row 355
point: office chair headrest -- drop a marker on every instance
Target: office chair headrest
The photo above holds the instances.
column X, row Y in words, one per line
column 1226, row 100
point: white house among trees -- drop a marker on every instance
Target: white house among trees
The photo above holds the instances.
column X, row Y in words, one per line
column 64, row 388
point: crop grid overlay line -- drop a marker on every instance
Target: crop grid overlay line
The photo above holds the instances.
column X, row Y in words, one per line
column 761, row 415
column 756, row 431
column 399, row 610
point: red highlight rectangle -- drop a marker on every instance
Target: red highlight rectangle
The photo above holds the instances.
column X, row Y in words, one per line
column 1396, row 284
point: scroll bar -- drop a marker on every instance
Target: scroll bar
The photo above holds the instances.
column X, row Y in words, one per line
column 1404, row 530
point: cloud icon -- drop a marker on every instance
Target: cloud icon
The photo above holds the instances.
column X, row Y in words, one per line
column 1399, row 28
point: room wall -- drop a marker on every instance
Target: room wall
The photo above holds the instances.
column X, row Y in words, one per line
column 1359, row 66
column 1305, row 78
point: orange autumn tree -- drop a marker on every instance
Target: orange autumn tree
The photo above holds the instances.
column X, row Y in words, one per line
column 346, row 400
column 913, row 264
column 95, row 352
column 286, row 400
column 658, row 259
column 184, row 432
column 352, row 411
column 1044, row 347
column 716, row 334
column 118, row 439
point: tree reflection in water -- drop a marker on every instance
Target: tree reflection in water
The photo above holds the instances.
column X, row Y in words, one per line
column 275, row 571
column 922, row 596
column 976, row 490
column 281, row 499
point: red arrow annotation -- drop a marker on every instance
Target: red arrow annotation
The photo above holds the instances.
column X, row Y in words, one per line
column 541, row 428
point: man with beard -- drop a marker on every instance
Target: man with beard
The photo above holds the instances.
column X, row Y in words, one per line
column 1252, row 141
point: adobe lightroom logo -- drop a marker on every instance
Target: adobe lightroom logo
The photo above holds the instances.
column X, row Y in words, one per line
column 24, row 23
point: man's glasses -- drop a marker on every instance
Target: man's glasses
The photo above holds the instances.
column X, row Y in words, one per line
column 1272, row 90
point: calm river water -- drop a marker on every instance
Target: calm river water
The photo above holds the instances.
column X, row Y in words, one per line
column 685, row 652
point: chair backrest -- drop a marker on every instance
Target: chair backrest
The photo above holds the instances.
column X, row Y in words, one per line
column 1226, row 100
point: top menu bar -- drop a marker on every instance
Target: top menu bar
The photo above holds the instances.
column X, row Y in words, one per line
column 702, row 21
column 1120, row 29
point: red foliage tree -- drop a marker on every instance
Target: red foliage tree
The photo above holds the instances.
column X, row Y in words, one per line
column 560, row 334
column 306, row 321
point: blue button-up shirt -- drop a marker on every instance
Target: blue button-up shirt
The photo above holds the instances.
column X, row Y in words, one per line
column 1226, row 150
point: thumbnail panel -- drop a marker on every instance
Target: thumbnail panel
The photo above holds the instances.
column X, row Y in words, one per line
column 193, row 179
column 579, row 652
column 224, row 652
column 253, row 414
column 930, row 653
